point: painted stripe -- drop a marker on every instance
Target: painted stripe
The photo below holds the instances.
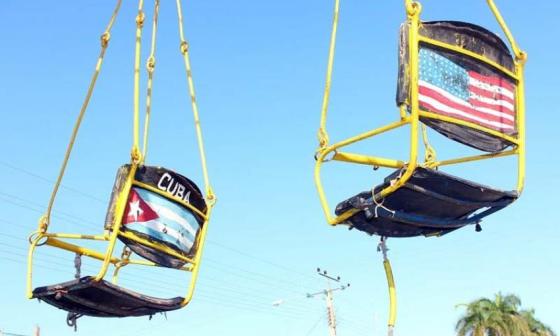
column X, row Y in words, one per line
column 491, row 95
column 498, row 81
column 155, row 229
column 452, row 101
column 163, row 211
column 437, row 106
column 170, row 211
column 478, row 104
column 491, row 88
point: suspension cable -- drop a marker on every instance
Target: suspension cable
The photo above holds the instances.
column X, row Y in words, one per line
column 150, row 67
column 323, row 135
column 105, row 38
column 185, row 52
column 135, row 154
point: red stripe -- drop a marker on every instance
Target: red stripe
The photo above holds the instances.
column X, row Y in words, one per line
column 444, row 100
column 433, row 109
column 493, row 80
column 497, row 108
column 489, row 94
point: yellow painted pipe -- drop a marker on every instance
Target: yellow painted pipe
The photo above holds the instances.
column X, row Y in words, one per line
column 475, row 158
column 369, row 134
column 392, row 294
column 477, row 127
column 80, row 250
column 77, row 236
column 117, row 221
column 368, row 160
column 196, row 264
column 470, row 54
column 156, row 246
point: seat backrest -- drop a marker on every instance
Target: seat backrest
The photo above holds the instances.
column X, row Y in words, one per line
column 474, row 98
column 153, row 212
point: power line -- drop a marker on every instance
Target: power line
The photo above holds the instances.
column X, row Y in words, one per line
column 5, row 333
column 30, row 205
column 315, row 325
column 259, row 259
column 49, row 181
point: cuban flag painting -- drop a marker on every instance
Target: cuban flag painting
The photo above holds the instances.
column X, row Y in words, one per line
column 160, row 218
column 447, row 88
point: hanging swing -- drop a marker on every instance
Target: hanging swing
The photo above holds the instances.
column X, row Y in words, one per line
column 158, row 214
column 462, row 81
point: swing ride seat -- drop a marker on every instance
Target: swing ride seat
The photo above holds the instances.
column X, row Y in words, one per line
column 158, row 217
column 162, row 208
column 85, row 296
column 467, row 92
column 430, row 203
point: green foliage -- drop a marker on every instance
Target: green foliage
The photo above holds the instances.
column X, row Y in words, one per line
column 500, row 317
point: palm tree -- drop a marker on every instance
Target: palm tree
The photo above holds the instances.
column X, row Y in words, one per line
column 480, row 319
column 536, row 327
column 500, row 317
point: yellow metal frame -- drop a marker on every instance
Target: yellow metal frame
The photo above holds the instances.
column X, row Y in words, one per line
column 58, row 240
column 332, row 152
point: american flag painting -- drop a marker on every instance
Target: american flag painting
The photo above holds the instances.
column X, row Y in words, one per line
column 448, row 89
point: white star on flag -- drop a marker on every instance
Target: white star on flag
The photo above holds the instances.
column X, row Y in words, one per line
column 135, row 210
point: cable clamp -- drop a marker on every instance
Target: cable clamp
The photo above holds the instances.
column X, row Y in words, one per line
column 184, row 47
column 413, row 8
column 323, row 138
column 151, row 64
column 135, row 155
column 382, row 247
column 211, row 199
column 43, row 223
column 105, row 38
column 140, row 19
column 521, row 57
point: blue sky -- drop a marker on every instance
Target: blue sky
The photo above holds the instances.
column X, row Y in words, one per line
column 259, row 73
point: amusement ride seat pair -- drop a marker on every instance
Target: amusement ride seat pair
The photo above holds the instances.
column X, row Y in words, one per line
column 457, row 78
column 462, row 81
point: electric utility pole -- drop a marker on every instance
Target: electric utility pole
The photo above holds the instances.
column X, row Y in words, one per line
column 328, row 292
